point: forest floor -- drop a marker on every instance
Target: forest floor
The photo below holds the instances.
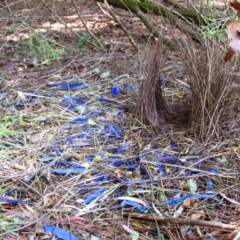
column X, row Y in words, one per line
column 76, row 163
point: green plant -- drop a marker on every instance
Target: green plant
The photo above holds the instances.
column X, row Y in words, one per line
column 8, row 223
column 41, row 47
column 3, row 76
column 82, row 42
column 5, row 126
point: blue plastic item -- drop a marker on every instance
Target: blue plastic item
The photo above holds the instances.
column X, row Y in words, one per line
column 14, row 201
column 176, row 201
column 73, row 100
column 137, row 206
column 115, row 90
column 60, row 233
column 70, row 85
column 93, row 195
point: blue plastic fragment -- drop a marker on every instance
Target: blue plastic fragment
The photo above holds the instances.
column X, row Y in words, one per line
column 103, row 177
column 56, row 150
column 78, row 120
column 46, row 158
column 84, row 135
column 60, row 233
column 113, row 131
column 50, row 95
column 130, row 87
column 186, row 173
column 93, row 114
column 176, row 201
column 69, row 86
column 73, row 100
column 73, row 167
column 90, row 158
column 70, row 170
column 210, row 185
column 122, row 148
column 118, row 112
column 93, row 195
column 173, row 146
column 213, row 171
column 137, row 206
column 161, row 170
column 115, row 90
column 104, row 99
column 166, row 158
column 14, row 201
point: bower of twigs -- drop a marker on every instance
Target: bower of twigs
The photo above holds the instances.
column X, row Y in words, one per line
column 209, row 107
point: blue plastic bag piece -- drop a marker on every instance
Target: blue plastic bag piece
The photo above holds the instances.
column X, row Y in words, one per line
column 176, row 201
column 118, row 163
column 131, row 182
column 132, row 167
column 73, row 100
column 63, row 171
column 173, row 146
column 56, row 150
column 122, row 148
column 137, row 206
column 161, row 170
column 68, row 162
column 90, row 128
column 118, row 112
column 186, row 173
column 115, row 90
column 46, row 158
column 84, row 135
column 93, row 114
column 59, row 232
column 176, row 169
column 20, row 105
column 104, row 99
column 118, row 193
column 50, row 95
column 113, row 131
column 210, row 185
column 90, row 158
column 130, row 87
column 78, row 120
column 167, row 159
column 69, row 86
column 68, row 140
column 135, row 88
column 103, row 177
column 14, row 201
column 213, row 171
column 93, row 195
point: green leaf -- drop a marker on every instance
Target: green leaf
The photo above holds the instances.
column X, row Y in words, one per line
column 192, row 185
column 105, row 75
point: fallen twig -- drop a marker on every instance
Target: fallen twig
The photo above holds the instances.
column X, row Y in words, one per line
column 181, row 221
